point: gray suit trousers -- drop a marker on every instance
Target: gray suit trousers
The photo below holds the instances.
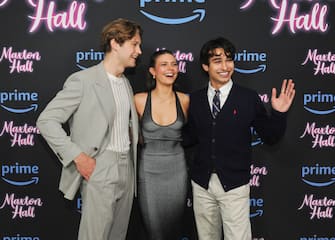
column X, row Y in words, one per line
column 107, row 198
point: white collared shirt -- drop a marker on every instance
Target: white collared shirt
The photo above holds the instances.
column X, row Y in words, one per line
column 224, row 92
column 120, row 130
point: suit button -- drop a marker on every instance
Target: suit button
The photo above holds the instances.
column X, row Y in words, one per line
column 213, row 123
column 95, row 149
column 213, row 156
column 213, row 140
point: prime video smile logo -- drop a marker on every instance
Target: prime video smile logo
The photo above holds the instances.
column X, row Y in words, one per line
column 318, row 171
column 196, row 14
column 256, row 140
column 20, row 237
column 319, row 99
column 19, row 97
column 250, row 57
column 84, row 59
column 17, row 170
column 258, row 204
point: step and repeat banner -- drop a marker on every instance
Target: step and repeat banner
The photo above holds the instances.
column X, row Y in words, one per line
column 292, row 183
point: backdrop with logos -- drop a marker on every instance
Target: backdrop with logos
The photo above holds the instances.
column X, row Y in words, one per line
column 292, row 183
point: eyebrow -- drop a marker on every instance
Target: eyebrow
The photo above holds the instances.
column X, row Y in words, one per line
column 135, row 40
column 221, row 54
column 216, row 56
column 174, row 61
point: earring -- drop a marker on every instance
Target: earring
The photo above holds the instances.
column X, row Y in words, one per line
column 153, row 76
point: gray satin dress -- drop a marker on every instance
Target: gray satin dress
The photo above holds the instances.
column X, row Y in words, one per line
column 162, row 173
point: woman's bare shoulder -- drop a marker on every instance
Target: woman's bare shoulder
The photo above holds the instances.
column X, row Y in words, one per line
column 183, row 97
column 141, row 97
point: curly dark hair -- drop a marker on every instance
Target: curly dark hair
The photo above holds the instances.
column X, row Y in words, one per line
column 207, row 50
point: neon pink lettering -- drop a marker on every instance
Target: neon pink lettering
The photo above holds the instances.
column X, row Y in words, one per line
column 315, row 20
column 3, row 3
column 73, row 18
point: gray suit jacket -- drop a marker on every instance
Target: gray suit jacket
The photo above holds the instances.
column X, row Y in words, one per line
column 87, row 103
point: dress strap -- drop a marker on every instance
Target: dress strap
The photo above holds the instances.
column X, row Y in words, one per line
column 180, row 111
column 147, row 108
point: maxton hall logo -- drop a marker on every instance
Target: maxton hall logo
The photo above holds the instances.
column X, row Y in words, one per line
column 148, row 8
column 324, row 62
column 319, row 208
column 182, row 59
column 264, row 97
column 256, row 174
column 24, row 207
column 290, row 15
column 249, row 58
column 45, row 12
column 20, row 61
column 321, row 136
column 20, row 135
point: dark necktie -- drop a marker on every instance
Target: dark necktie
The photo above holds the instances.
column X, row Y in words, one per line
column 216, row 104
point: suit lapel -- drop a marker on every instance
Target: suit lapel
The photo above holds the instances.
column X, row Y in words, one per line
column 105, row 94
column 133, row 131
column 133, row 118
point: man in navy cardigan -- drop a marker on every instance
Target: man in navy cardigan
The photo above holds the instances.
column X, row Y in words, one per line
column 221, row 129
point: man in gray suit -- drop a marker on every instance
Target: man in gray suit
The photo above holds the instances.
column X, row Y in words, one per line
column 99, row 155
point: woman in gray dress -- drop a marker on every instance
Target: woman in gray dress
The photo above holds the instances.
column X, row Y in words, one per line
column 162, row 185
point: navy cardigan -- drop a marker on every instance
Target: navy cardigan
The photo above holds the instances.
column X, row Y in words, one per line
column 224, row 144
